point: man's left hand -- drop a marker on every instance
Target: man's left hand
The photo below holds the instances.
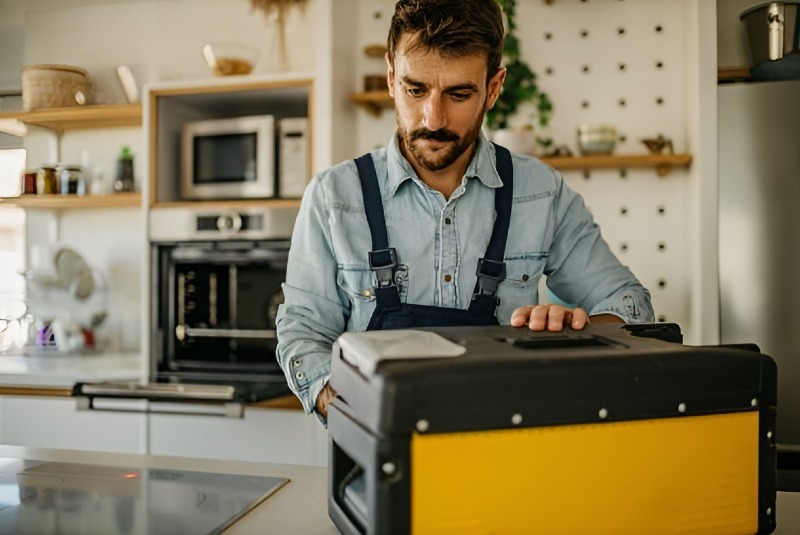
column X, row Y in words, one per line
column 549, row 317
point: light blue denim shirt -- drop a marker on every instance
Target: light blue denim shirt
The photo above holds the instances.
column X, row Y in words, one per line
column 329, row 287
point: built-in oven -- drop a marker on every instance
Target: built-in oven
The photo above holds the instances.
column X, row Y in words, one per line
column 215, row 287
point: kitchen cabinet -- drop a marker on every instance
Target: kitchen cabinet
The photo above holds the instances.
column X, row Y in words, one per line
column 55, row 422
column 264, row 434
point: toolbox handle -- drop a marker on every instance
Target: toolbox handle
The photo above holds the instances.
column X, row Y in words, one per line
column 559, row 341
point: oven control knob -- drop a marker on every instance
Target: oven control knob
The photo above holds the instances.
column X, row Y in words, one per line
column 231, row 222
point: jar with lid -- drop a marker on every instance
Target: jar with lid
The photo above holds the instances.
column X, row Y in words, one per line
column 47, row 180
column 72, row 181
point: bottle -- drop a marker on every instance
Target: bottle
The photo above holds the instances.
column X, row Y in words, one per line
column 124, row 181
column 47, row 180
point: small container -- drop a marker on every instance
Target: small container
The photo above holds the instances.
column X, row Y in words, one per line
column 47, row 180
column 124, row 181
column 596, row 139
column 72, row 181
column 29, row 183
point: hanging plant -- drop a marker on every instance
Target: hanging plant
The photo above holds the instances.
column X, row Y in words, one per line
column 277, row 10
column 520, row 84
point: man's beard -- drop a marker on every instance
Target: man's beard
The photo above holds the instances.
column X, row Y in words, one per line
column 444, row 157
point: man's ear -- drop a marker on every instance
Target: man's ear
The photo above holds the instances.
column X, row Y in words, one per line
column 495, row 85
column 389, row 74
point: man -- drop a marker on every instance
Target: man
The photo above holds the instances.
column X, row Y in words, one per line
column 441, row 227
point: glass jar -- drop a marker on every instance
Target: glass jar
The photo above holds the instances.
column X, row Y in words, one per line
column 72, row 181
column 47, row 180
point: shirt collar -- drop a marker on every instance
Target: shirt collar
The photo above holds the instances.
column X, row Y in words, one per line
column 482, row 165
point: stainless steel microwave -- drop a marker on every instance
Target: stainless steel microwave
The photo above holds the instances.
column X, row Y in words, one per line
column 231, row 158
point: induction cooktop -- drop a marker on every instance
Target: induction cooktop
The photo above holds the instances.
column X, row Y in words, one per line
column 45, row 497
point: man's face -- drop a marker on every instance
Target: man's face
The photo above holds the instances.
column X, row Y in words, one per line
column 440, row 103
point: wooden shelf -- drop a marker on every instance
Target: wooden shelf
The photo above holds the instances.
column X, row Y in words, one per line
column 60, row 119
column 662, row 162
column 67, row 202
column 733, row 74
column 230, row 205
column 374, row 101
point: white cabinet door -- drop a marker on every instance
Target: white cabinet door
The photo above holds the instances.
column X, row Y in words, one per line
column 53, row 422
column 264, row 435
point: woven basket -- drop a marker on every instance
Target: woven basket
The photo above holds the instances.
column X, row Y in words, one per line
column 54, row 86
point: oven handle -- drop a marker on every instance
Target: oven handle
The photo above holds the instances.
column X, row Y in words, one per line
column 147, row 406
column 182, row 332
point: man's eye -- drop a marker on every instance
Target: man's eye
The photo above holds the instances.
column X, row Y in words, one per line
column 415, row 91
column 460, row 97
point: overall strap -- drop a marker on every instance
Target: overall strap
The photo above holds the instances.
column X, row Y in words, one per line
column 492, row 268
column 382, row 258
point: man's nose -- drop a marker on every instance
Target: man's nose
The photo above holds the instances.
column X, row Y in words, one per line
column 434, row 113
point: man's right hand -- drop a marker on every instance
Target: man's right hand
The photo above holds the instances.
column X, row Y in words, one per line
column 324, row 399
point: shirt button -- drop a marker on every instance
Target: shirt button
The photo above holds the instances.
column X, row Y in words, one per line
column 447, row 221
column 525, row 277
column 300, row 376
column 297, row 363
column 448, row 278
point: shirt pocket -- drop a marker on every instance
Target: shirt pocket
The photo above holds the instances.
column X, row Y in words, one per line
column 357, row 283
column 521, row 285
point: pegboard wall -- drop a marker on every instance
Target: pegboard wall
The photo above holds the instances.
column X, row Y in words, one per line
column 613, row 62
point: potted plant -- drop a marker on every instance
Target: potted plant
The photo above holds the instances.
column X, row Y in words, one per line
column 519, row 88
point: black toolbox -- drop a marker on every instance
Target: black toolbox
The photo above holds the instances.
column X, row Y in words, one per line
column 613, row 429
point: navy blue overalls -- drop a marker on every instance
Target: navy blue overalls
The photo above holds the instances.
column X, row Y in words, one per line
column 390, row 312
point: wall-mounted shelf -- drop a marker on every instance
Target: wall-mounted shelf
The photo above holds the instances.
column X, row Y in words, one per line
column 230, row 205
column 79, row 117
column 733, row 74
column 662, row 162
column 374, row 101
column 66, row 202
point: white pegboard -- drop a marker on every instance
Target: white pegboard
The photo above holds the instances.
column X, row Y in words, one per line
column 617, row 62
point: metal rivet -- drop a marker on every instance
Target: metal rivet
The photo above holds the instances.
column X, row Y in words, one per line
column 525, row 277
column 300, row 375
column 603, row 414
column 682, row 408
column 422, row 426
column 367, row 292
column 448, row 278
column 297, row 362
column 754, row 402
column 388, row 468
column 516, row 419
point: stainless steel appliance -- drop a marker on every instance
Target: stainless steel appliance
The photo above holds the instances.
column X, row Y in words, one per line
column 231, row 158
column 215, row 287
column 759, row 231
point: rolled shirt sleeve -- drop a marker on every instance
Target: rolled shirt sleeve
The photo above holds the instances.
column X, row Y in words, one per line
column 581, row 268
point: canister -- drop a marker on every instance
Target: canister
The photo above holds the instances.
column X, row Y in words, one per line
column 47, row 180
column 72, row 181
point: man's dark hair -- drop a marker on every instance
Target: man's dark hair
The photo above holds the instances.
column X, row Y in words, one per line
column 451, row 27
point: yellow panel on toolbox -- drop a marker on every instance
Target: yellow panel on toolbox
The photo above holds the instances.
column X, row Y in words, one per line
column 695, row 474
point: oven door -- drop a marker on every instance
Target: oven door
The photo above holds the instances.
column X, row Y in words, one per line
column 213, row 333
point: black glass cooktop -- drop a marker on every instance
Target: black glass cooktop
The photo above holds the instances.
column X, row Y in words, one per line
column 63, row 498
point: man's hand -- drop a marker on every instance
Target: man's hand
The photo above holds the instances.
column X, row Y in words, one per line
column 324, row 399
column 549, row 317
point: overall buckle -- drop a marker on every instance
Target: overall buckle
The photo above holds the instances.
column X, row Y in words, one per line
column 490, row 273
column 383, row 262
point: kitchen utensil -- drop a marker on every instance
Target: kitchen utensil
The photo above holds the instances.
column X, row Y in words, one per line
column 230, row 59
column 596, row 139
column 772, row 30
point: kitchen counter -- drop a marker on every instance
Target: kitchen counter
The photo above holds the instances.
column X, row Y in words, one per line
column 298, row 507
column 55, row 374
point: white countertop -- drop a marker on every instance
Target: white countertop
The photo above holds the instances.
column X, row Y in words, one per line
column 64, row 370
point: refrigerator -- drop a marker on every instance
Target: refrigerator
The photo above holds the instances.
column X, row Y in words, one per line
column 759, row 231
